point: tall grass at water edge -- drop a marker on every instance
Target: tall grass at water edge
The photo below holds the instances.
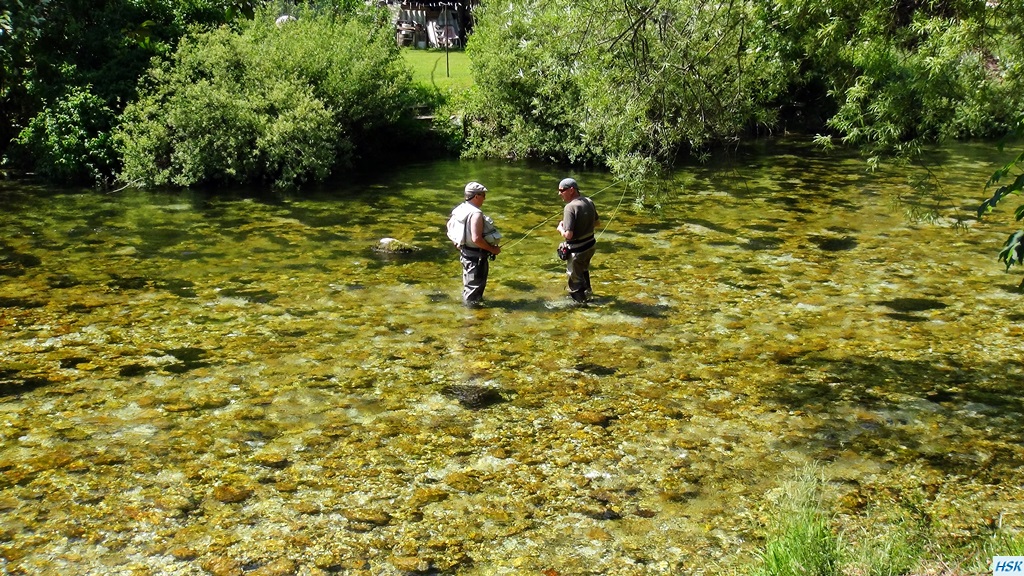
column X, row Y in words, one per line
column 803, row 540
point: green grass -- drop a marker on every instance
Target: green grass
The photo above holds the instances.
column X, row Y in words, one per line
column 801, row 542
column 435, row 69
column 892, row 539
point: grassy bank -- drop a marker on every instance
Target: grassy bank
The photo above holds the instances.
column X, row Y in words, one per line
column 892, row 539
column 439, row 70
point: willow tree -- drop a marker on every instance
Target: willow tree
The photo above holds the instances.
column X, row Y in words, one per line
column 906, row 73
column 629, row 85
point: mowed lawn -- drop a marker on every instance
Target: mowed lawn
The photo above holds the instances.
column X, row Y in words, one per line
column 435, row 68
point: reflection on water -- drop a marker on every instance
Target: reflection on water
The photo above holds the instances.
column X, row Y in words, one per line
column 194, row 385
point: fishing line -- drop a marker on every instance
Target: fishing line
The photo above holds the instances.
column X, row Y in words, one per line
column 546, row 220
column 527, row 234
column 614, row 212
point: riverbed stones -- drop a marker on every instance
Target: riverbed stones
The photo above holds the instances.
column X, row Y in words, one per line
column 184, row 553
column 278, row 567
column 710, row 373
column 413, row 564
column 393, row 246
column 427, row 495
column 222, row 566
column 177, row 503
column 463, row 482
column 594, row 418
column 271, row 459
column 232, row 493
column 365, row 519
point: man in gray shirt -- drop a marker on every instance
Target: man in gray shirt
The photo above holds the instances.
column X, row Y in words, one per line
column 579, row 218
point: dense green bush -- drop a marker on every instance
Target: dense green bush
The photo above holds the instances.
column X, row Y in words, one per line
column 53, row 50
column 629, row 85
column 282, row 105
column 69, row 141
column 902, row 75
column 615, row 83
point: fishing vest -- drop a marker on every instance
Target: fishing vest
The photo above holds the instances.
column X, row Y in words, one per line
column 458, row 226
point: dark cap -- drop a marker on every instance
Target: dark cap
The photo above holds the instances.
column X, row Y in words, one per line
column 568, row 183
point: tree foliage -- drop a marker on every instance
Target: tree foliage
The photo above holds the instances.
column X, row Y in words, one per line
column 281, row 105
column 626, row 84
column 53, row 53
column 1013, row 249
column 901, row 75
column 613, row 82
column 906, row 74
column 69, row 141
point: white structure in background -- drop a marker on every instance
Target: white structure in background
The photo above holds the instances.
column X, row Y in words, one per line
column 444, row 32
column 408, row 20
column 435, row 24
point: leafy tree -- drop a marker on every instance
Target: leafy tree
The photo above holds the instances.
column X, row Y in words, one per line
column 1013, row 249
column 910, row 73
column 626, row 84
column 905, row 74
column 69, row 142
column 283, row 105
column 54, row 52
column 632, row 84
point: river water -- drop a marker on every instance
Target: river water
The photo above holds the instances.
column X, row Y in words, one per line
column 221, row 385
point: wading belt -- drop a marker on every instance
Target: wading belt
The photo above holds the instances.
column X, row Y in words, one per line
column 473, row 253
column 582, row 246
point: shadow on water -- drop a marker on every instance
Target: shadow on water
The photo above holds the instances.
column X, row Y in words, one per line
column 652, row 227
column 627, row 247
column 520, row 285
column 534, row 305
column 21, row 303
column 13, row 263
column 13, row 384
column 899, row 410
column 834, row 244
column 764, row 243
column 710, row 225
column 907, row 305
column 547, row 306
column 638, row 309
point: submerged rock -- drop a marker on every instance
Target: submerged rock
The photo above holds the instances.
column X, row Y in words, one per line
column 835, row 244
column 393, row 246
column 913, row 304
column 473, row 396
column 411, row 564
column 595, row 369
column 591, row 417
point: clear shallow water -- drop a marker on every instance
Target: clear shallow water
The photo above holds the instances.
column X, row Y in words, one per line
column 193, row 385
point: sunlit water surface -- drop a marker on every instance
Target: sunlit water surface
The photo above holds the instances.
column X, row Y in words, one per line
column 194, row 385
